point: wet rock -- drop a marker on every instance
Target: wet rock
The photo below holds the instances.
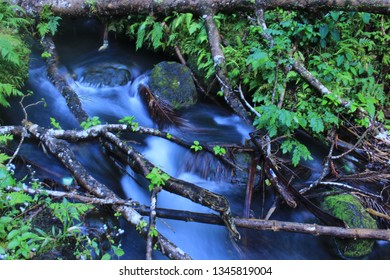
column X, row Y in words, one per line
column 105, row 75
column 172, row 83
column 349, row 209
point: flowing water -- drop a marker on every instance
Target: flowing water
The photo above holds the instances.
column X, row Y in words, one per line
column 77, row 46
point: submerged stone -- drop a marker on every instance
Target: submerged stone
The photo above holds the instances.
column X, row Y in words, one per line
column 349, row 209
column 105, row 75
column 172, row 83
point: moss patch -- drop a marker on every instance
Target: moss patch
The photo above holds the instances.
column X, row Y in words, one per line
column 172, row 83
column 349, row 209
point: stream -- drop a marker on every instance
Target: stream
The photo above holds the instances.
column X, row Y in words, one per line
column 78, row 44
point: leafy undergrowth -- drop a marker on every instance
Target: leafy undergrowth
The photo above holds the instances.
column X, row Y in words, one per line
column 38, row 227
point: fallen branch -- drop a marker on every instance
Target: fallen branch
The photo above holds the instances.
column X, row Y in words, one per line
column 273, row 225
column 185, row 189
column 314, row 229
column 354, row 146
column 347, row 188
column 256, row 224
column 378, row 214
column 220, row 66
column 289, row 191
column 75, row 196
column 60, row 83
column 61, row 150
column 152, row 222
column 270, row 170
column 125, row 7
column 326, row 168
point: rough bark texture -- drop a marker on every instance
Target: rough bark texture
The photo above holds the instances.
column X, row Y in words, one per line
column 273, row 225
column 124, row 7
column 60, row 83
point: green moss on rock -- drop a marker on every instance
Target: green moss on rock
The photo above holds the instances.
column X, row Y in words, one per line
column 349, row 209
column 172, row 83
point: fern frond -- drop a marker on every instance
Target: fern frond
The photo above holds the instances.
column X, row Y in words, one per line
column 8, row 47
column 7, row 90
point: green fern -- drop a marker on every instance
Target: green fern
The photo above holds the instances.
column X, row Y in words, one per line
column 8, row 48
column 156, row 35
column 48, row 22
column 141, row 33
column 14, row 54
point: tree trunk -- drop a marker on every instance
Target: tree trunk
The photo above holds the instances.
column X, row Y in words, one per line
column 125, row 7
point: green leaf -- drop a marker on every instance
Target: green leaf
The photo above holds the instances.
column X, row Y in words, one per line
column 19, row 198
column 300, row 151
column 366, row 17
column 5, row 220
column 55, row 124
column 340, row 59
column 285, row 118
column 157, row 33
column 324, row 30
column 13, row 244
column 335, row 15
column 257, row 59
column 3, row 158
column 12, row 234
column 29, row 235
column 118, row 251
column 315, row 122
column 106, row 257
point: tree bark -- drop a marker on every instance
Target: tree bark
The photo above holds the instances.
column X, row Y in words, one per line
column 125, row 7
column 220, row 66
column 60, row 83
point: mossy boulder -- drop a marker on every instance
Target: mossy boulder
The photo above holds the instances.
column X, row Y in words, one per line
column 349, row 209
column 172, row 83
